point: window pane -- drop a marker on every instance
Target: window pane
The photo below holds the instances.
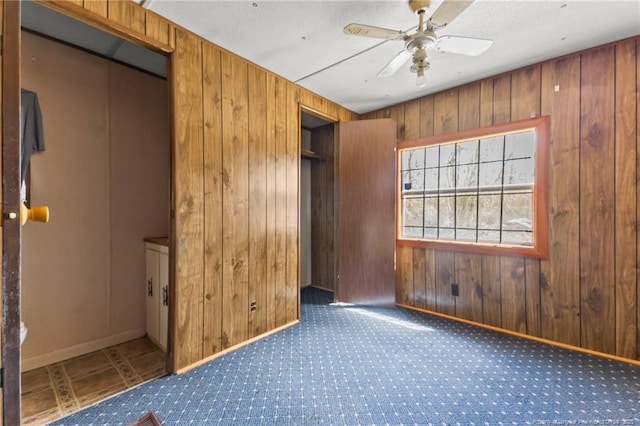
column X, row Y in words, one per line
column 467, row 152
column 413, row 179
column 447, row 178
column 517, row 237
column 431, row 179
column 412, row 212
column 447, row 212
column 518, row 172
column 431, row 212
column 490, row 174
column 466, row 211
column 517, row 211
column 488, row 236
column 431, row 156
column 491, row 149
column 489, row 207
column 413, row 159
column 519, row 145
column 431, row 233
column 467, row 177
column 411, row 232
column 447, row 155
column 447, row 234
column 466, row 235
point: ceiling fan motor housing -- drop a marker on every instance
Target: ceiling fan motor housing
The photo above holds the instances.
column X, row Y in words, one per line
column 420, row 40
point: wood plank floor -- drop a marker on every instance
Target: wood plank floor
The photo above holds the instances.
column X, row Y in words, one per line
column 56, row 390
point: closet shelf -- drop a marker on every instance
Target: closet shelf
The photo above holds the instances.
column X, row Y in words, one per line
column 310, row 155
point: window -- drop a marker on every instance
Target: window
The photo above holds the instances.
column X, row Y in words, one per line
column 480, row 191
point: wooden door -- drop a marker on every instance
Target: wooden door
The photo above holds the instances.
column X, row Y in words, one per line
column 10, row 11
column 366, row 212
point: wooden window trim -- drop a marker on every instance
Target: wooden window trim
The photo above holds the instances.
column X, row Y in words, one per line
column 540, row 248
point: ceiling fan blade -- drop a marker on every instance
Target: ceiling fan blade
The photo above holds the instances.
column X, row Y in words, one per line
column 374, row 32
column 463, row 45
column 448, row 11
column 395, row 64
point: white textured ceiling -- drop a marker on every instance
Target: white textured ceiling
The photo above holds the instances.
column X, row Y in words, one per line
column 303, row 40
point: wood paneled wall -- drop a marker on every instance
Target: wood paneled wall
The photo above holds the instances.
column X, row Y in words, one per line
column 234, row 183
column 586, row 293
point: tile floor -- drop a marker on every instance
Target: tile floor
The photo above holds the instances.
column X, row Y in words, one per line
column 56, row 390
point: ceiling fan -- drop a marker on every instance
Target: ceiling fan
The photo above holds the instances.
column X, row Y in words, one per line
column 417, row 43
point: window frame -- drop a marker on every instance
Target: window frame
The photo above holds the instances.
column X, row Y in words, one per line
column 541, row 128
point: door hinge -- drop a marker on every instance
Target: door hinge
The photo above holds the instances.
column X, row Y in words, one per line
column 1, row 377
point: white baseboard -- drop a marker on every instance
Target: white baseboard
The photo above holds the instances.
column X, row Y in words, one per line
column 81, row 349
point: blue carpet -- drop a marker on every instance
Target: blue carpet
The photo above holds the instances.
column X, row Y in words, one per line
column 364, row 366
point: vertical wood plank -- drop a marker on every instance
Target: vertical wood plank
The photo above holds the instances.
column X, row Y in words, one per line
column 188, row 189
column 525, row 103
column 625, row 200
column 293, row 183
column 404, row 275
column 212, row 109
column 560, row 282
column 235, row 194
column 469, row 276
column 502, row 99
column 272, row 202
column 513, row 294
column 597, row 263
column 412, row 120
column 445, row 113
column 306, row 98
column 525, row 93
column 491, row 293
column 157, row 27
column 638, row 192
column 257, row 200
column 420, row 277
column 128, row 14
column 98, row 7
column 281, row 201
column 532, row 296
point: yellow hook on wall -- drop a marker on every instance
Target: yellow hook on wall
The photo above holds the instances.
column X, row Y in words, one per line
column 35, row 214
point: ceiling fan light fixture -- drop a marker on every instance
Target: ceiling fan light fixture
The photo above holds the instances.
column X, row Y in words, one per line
column 421, row 80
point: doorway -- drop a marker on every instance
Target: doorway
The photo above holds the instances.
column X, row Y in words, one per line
column 105, row 174
column 317, row 201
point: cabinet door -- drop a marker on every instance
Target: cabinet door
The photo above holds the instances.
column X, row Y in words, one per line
column 163, row 270
column 153, row 295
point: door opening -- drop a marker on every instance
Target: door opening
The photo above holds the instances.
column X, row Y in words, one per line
column 105, row 173
column 317, row 202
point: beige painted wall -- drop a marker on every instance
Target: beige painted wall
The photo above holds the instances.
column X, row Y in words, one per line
column 105, row 176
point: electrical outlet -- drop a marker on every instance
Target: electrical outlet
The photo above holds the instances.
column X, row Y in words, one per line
column 455, row 291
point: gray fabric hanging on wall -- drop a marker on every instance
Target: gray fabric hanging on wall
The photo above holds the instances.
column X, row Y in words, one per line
column 31, row 133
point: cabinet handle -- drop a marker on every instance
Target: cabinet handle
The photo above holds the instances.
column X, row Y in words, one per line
column 165, row 296
column 150, row 287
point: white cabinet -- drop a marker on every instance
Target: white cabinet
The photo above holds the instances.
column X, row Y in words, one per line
column 157, row 291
